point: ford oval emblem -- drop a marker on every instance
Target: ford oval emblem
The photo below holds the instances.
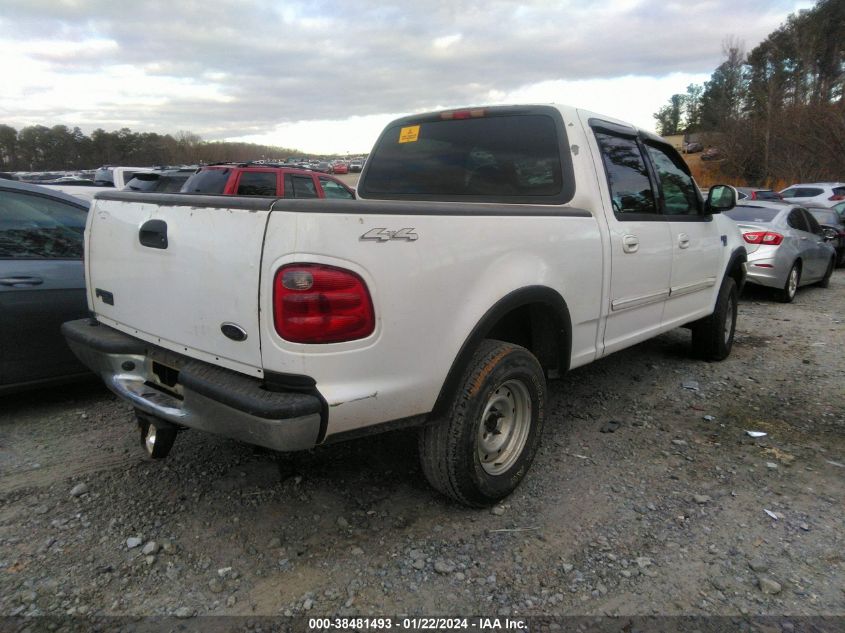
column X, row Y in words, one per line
column 233, row 331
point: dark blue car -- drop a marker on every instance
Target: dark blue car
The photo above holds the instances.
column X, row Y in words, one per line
column 42, row 283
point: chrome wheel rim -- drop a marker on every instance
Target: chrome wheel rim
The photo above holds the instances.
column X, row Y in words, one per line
column 504, row 427
column 729, row 320
column 793, row 282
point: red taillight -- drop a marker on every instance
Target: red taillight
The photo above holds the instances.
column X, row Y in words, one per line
column 763, row 237
column 313, row 303
column 834, row 198
column 475, row 113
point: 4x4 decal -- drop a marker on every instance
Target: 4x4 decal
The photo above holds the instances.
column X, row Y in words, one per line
column 383, row 235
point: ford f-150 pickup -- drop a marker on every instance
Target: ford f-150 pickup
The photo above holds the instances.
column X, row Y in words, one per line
column 491, row 250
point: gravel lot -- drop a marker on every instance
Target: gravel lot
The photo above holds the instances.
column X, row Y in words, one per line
column 676, row 511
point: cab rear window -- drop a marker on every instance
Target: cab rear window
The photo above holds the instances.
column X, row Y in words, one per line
column 503, row 157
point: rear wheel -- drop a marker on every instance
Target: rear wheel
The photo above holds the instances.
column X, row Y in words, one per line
column 787, row 293
column 484, row 447
column 825, row 281
column 713, row 337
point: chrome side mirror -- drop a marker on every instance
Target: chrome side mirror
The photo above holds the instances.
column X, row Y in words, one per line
column 720, row 198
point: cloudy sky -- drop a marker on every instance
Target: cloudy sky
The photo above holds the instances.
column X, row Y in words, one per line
column 326, row 76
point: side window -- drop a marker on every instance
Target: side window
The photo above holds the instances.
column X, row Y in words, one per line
column 334, row 189
column 630, row 188
column 796, row 220
column 300, row 187
column 257, row 183
column 37, row 227
column 814, row 225
column 680, row 196
column 803, row 192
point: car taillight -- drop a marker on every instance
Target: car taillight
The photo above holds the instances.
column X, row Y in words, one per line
column 763, row 237
column 835, row 197
column 313, row 303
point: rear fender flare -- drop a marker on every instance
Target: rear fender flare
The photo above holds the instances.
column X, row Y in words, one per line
column 736, row 260
column 529, row 295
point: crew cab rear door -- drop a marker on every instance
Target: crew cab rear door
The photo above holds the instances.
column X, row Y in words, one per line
column 172, row 269
column 640, row 243
column 697, row 245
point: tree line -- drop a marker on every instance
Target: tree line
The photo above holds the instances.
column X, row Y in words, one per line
column 777, row 113
column 59, row 148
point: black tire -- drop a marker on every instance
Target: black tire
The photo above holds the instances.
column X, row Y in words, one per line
column 789, row 290
column 458, row 454
column 713, row 336
column 165, row 435
column 825, row 281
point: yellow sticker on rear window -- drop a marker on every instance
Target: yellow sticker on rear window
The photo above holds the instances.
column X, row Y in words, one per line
column 409, row 134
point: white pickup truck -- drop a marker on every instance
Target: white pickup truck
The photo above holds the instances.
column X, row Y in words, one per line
column 490, row 249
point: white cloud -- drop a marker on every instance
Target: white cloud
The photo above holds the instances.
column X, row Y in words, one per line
column 324, row 74
column 447, row 41
column 355, row 135
column 630, row 99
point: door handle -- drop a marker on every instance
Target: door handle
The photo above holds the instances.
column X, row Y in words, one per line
column 21, row 281
column 683, row 240
column 630, row 244
column 153, row 233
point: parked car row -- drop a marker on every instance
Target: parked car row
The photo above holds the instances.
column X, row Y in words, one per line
column 823, row 194
column 239, row 179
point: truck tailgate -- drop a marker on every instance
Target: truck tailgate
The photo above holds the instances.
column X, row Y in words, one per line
column 178, row 292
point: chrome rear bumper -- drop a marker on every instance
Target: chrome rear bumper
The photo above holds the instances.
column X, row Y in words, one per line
column 201, row 396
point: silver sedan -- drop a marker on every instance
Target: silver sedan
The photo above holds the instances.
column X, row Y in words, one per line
column 786, row 246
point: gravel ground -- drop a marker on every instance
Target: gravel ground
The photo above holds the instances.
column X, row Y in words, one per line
column 673, row 509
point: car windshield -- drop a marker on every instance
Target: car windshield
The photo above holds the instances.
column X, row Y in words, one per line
column 507, row 157
column 752, row 214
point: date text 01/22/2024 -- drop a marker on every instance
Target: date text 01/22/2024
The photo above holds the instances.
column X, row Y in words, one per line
column 416, row 624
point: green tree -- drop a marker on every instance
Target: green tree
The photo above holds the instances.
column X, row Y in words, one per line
column 8, row 147
column 692, row 107
column 723, row 97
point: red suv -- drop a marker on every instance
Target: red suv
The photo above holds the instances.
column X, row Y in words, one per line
column 251, row 179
